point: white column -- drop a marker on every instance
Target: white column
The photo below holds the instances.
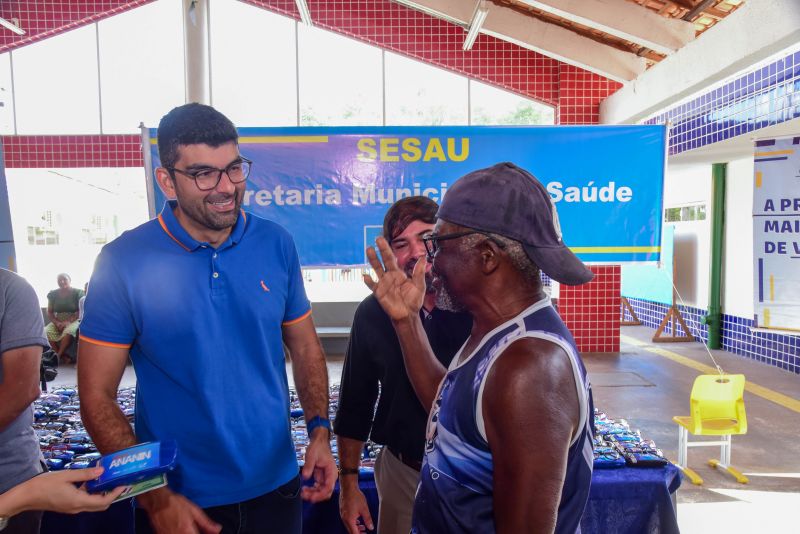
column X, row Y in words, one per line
column 196, row 61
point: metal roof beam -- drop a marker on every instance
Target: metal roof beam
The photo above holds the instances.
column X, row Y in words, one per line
column 727, row 48
column 622, row 19
column 534, row 34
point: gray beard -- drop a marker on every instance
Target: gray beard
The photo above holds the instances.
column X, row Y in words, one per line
column 445, row 301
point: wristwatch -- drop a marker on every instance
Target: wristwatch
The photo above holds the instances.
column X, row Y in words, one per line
column 318, row 421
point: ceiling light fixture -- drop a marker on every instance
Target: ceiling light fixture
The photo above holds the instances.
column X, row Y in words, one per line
column 305, row 14
column 12, row 26
column 478, row 16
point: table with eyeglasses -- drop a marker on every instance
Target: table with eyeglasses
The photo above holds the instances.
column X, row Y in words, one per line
column 624, row 500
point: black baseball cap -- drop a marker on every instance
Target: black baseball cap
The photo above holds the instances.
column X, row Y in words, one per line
column 507, row 200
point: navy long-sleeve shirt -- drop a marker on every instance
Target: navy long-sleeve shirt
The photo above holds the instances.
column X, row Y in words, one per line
column 374, row 358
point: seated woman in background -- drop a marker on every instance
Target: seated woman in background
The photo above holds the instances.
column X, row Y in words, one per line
column 62, row 310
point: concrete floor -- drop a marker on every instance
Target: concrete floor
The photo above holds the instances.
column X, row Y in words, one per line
column 769, row 454
column 648, row 389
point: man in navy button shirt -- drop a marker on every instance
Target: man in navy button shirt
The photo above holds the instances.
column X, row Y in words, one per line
column 203, row 299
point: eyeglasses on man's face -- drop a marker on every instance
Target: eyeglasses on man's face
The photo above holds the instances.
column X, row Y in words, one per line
column 401, row 244
column 208, row 178
column 431, row 241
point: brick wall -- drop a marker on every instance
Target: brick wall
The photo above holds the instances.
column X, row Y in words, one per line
column 591, row 311
column 70, row 151
column 580, row 94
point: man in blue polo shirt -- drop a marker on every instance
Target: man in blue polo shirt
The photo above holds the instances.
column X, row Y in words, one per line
column 203, row 298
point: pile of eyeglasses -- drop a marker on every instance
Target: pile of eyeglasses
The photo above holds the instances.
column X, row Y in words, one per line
column 66, row 445
column 62, row 438
column 300, row 435
column 616, row 445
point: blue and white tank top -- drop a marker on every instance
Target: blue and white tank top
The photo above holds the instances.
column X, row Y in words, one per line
column 455, row 492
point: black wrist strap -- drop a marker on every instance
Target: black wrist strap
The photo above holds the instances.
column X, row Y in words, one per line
column 348, row 471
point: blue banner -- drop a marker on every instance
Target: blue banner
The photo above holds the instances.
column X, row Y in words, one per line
column 330, row 187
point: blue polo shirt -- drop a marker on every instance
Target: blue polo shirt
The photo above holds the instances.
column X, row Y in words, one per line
column 204, row 330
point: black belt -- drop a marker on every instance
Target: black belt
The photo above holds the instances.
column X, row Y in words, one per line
column 410, row 462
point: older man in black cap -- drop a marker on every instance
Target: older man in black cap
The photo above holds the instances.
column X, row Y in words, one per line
column 508, row 444
column 374, row 364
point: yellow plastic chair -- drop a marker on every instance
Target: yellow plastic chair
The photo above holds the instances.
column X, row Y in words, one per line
column 717, row 409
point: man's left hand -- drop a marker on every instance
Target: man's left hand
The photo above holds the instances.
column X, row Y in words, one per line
column 320, row 464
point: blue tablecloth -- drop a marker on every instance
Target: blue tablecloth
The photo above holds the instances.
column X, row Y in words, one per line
column 638, row 500
column 626, row 500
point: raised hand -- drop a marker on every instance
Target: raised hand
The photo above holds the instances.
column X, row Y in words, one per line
column 400, row 297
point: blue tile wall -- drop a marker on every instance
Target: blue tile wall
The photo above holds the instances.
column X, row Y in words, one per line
column 763, row 97
column 771, row 348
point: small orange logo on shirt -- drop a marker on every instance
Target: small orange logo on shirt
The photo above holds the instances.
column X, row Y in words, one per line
column 264, row 286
